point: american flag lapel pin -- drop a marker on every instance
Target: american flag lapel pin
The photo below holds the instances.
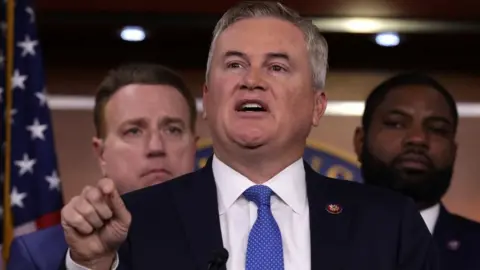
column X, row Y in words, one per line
column 334, row 208
column 453, row 245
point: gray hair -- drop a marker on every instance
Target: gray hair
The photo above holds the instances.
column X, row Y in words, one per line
column 316, row 45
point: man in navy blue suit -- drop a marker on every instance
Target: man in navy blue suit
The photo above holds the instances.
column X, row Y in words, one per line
column 145, row 122
column 407, row 144
column 256, row 204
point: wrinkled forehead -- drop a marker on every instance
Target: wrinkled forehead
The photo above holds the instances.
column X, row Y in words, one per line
column 262, row 35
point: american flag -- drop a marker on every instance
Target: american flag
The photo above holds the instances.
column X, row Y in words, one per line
column 35, row 190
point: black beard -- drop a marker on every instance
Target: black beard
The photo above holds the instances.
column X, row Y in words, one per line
column 425, row 188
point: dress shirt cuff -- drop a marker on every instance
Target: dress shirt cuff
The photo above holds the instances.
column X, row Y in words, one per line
column 71, row 265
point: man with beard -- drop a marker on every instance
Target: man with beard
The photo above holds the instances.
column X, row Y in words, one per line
column 407, row 144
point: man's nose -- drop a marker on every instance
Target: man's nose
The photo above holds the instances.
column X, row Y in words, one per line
column 417, row 136
column 253, row 79
column 156, row 145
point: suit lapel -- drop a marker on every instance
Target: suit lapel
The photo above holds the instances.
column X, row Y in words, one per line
column 330, row 221
column 198, row 208
column 197, row 205
column 448, row 238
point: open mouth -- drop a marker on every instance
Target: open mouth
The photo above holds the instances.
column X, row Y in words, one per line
column 251, row 106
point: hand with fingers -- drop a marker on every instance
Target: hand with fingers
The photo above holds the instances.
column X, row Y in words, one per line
column 95, row 224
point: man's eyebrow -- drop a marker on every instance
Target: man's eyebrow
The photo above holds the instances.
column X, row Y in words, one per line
column 278, row 55
column 398, row 111
column 269, row 55
column 235, row 53
column 440, row 119
column 135, row 121
column 429, row 118
column 172, row 120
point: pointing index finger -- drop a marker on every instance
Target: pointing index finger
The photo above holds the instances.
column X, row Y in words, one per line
column 115, row 201
column 106, row 185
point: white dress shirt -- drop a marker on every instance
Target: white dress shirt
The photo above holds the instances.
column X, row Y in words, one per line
column 430, row 216
column 289, row 207
column 237, row 215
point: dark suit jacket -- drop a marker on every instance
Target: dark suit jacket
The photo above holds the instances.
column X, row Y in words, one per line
column 175, row 225
column 458, row 241
column 41, row 250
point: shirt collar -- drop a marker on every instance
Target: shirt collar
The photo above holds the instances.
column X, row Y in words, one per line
column 430, row 216
column 289, row 185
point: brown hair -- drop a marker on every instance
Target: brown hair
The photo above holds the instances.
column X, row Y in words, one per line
column 138, row 74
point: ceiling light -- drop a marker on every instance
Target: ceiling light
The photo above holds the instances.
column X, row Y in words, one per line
column 133, row 33
column 362, row 25
column 387, row 39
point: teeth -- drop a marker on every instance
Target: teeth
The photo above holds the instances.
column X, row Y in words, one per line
column 251, row 106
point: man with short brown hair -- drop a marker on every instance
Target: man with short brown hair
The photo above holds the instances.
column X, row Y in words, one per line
column 144, row 119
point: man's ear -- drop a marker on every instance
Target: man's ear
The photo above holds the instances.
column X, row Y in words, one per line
column 320, row 99
column 358, row 141
column 99, row 148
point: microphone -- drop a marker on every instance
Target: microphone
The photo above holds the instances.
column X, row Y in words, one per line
column 219, row 259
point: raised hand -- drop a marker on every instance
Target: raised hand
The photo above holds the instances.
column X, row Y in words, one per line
column 95, row 224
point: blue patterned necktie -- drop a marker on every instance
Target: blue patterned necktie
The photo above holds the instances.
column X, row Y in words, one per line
column 264, row 251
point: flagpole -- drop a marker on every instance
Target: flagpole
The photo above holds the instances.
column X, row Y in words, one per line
column 9, row 61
